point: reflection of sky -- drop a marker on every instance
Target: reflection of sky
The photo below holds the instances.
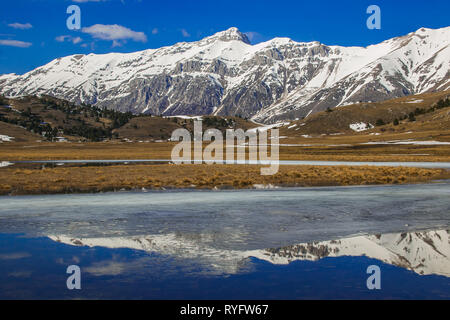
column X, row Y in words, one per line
column 39, row 266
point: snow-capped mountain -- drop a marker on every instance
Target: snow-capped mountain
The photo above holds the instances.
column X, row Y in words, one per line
column 426, row 252
column 225, row 75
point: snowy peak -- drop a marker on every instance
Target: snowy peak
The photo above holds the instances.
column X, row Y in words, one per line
column 227, row 76
column 229, row 35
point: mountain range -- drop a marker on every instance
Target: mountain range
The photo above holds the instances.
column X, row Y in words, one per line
column 225, row 75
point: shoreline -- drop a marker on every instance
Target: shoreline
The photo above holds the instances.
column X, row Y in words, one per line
column 407, row 164
column 340, row 148
column 265, row 188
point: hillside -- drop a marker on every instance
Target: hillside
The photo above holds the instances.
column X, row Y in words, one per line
column 159, row 128
column 424, row 112
column 46, row 118
column 13, row 133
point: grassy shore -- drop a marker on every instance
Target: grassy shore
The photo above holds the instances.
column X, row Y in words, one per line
column 71, row 179
column 17, row 181
column 341, row 148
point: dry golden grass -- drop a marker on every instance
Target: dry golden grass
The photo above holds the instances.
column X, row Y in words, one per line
column 324, row 148
column 84, row 151
column 114, row 178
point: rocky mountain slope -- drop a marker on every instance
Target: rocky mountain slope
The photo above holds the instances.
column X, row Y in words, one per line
column 225, row 75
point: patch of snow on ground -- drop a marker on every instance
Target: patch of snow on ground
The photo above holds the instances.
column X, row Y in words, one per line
column 198, row 118
column 12, row 108
column 360, row 126
column 5, row 164
column 5, row 138
column 268, row 127
column 413, row 142
column 265, row 186
column 414, row 101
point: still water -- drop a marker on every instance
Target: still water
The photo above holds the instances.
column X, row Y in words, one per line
column 420, row 164
column 240, row 244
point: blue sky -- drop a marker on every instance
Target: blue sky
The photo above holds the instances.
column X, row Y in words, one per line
column 34, row 32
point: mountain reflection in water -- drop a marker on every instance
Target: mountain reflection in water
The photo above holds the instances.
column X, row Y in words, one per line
column 425, row 252
column 301, row 243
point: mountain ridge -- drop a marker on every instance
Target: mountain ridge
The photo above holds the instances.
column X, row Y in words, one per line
column 225, row 75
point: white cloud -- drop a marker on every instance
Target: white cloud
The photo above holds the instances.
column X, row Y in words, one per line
column 22, row 26
column 116, row 43
column 15, row 43
column 89, row 45
column 114, row 33
column 185, row 33
column 155, row 31
column 14, row 256
column 254, row 37
column 61, row 38
column 74, row 40
column 106, row 268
